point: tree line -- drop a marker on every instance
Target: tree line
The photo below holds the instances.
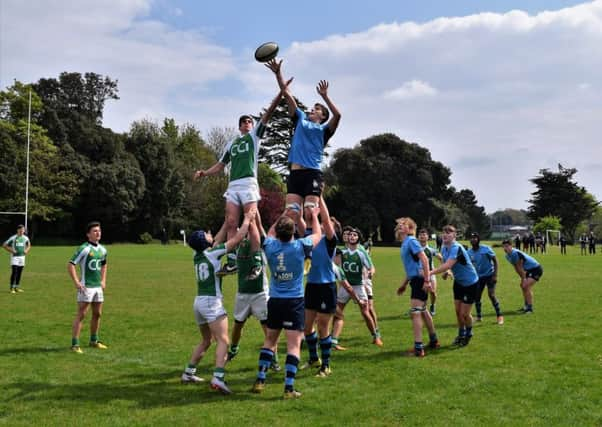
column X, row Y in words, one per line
column 140, row 182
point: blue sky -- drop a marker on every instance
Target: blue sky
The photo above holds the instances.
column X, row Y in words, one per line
column 497, row 90
column 242, row 25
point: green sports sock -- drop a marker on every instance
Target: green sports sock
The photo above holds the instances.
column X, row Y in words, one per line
column 93, row 338
column 219, row 373
column 74, row 341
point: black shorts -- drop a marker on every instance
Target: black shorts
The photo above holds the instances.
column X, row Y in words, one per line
column 321, row 297
column 305, row 182
column 486, row 281
column 466, row 294
column 286, row 313
column 534, row 273
column 416, row 284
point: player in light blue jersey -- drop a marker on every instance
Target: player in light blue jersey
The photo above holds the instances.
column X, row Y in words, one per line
column 529, row 271
column 485, row 262
column 466, row 282
column 321, row 296
column 312, row 132
column 286, row 256
column 418, row 275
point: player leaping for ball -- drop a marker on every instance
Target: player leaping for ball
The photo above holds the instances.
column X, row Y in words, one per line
column 243, row 188
column 312, row 132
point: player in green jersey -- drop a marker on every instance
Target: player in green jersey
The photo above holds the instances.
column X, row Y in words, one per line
column 431, row 253
column 91, row 257
column 243, row 189
column 252, row 296
column 354, row 262
column 209, row 310
column 18, row 245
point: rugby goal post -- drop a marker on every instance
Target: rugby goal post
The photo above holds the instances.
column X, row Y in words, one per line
column 26, row 170
column 551, row 235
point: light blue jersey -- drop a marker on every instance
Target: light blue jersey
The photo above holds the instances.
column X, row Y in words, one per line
column 528, row 262
column 286, row 261
column 482, row 258
column 307, row 145
column 464, row 272
column 322, row 257
column 410, row 248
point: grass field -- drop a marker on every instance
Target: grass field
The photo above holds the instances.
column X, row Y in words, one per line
column 544, row 369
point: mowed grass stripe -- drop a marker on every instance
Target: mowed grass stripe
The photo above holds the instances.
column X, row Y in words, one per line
column 543, row 369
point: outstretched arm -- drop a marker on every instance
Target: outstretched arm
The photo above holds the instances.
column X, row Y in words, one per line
column 445, row 266
column 322, row 89
column 242, row 231
column 316, row 230
column 213, row 170
column 326, row 222
column 276, row 66
column 265, row 118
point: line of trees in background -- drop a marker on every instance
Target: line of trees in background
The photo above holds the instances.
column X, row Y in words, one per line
column 139, row 183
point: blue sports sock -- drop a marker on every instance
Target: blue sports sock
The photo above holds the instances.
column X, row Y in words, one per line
column 461, row 332
column 418, row 345
column 469, row 331
column 312, row 345
column 265, row 360
column 292, row 362
column 325, row 347
column 496, row 306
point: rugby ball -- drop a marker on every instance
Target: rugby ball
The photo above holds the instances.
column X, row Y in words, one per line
column 266, row 52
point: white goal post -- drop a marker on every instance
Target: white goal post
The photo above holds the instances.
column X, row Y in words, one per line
column 553, row 234
column 26, row 171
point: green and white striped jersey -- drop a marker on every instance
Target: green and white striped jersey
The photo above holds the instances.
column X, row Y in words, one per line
column 18, row 244
column 90, row 258
column 430, row 253
column 354, row 263
column 206, row 264
column 242, row 153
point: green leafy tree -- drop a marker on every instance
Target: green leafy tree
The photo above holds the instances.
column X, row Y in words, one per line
column 559, row 195
column 510, row 217
column 164, row 192
column 112, row 193
column 384, row 178
column 548, row 222
column 478, row 221
column 203, row 205
column 51, row 186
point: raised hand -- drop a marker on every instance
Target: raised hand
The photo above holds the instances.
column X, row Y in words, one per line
column 274, row 65
column 322, row 88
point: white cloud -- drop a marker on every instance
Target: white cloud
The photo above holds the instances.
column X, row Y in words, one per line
column 411, row 89
column 520, row 92
column 502, row 81
column 116, row 38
